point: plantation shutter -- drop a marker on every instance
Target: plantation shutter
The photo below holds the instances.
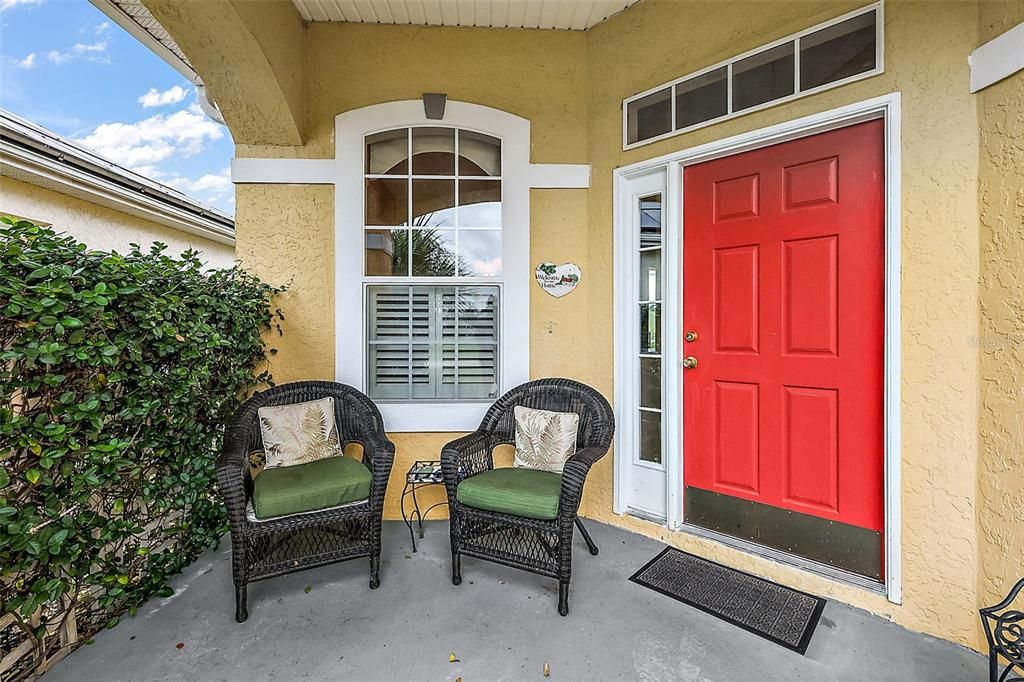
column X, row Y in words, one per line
column 433, row 342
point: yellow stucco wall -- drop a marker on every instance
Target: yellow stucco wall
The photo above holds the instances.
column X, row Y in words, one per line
column 1001, row 337
column 571, row 85
column 926, row 48
column 289, row 230
column 100, row 227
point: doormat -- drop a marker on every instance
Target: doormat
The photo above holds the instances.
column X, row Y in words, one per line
column 779, row 614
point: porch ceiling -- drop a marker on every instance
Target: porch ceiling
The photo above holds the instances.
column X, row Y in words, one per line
column 577, row 15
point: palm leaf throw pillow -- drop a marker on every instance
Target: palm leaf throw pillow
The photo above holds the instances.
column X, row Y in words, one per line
column 544, row 439
column 299, row 433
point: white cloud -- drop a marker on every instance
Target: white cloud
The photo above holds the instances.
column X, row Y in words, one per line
column 57, row 57
column 217, row 183
column 102, row 28
column 154, row 139
column 99, row 46
column 155, row 98
column 27, row 63
column 8, row 4
column 90, row 52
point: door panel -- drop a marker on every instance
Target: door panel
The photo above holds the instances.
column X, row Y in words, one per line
column 783, row 282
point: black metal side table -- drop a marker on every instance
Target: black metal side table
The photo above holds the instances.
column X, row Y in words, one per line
column 422, row 473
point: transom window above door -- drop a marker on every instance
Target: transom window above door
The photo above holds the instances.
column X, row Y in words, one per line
column 433, row 200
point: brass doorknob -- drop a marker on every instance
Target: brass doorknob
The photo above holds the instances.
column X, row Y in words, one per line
column 689, row 362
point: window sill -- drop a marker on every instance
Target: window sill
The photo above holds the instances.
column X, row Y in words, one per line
column 432, row 417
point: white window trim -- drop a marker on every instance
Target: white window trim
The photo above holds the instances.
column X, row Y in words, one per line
column 797, row 94
column 886, row 107
column 518, row 175
column 345, row 172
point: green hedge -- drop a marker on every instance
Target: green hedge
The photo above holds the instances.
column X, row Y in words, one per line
column 117, row 375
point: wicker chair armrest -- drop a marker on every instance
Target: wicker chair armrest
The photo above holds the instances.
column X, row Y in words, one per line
column 232, row 471
column 574, row 475
column 378, row 452
column 465, row 457
column 378, row 456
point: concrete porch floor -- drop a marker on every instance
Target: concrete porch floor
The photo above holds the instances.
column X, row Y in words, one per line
column 326, row 624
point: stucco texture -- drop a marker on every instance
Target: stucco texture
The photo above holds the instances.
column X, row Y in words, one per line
column 100, row 227
column 287, row 232
column 926, row 45
column 571, row 86
column 1001, row 338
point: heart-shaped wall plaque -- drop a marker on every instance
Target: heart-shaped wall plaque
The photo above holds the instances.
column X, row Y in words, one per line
column 558, row 280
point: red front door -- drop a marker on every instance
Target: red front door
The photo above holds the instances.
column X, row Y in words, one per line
column 784, row 287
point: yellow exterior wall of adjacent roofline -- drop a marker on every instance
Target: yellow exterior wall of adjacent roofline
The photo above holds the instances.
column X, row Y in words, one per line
column 102, row 228
column 571, row 86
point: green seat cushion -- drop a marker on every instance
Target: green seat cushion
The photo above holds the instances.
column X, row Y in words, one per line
column 324, row 483
column 522, row 492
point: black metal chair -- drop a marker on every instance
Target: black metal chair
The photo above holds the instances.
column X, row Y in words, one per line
column 1004, row 630
column 268, row 548
column 541, row 546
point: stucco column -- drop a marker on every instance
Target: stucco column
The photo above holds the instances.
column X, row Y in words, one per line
column 251, row 56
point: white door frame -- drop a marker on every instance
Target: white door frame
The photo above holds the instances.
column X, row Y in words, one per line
column 627, row 380
column 886, row 107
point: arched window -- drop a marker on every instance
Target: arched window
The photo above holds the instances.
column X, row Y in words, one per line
column 432, row 218
column 432, row 258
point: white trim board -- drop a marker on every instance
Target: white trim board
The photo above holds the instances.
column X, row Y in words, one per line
column 283, row 171
column 886, row 107
column 997, row 59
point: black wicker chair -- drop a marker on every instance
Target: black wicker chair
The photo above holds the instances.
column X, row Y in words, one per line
column 1004, row 630
column 539, row 546
column 273, row 547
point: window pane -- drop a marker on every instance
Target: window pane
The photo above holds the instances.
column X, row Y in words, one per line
column 433, row 151
column 389, row 371
column 421, row 312
column 387, row 253
column 838, row 52
column 479, row 253
column 650, row 221
column 389, row 313
column 702, row 98
column 388, row 152
column 650, row 275
column 479, row 203
column 479, row 154
column 387, row 202
column 433, row 253
column 425, row 368
column 762, row 77
column 650, row 382
column 650, row 437
column 477, row 370
column 451, row 352
column 649, row 116
column 650, row 328
column 476, row 317
column 433, row 203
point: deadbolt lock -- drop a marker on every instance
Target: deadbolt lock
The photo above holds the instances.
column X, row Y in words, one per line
column 691, row 336
column 689, row 362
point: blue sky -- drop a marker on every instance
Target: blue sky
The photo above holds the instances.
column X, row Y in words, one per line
column 65, row 66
